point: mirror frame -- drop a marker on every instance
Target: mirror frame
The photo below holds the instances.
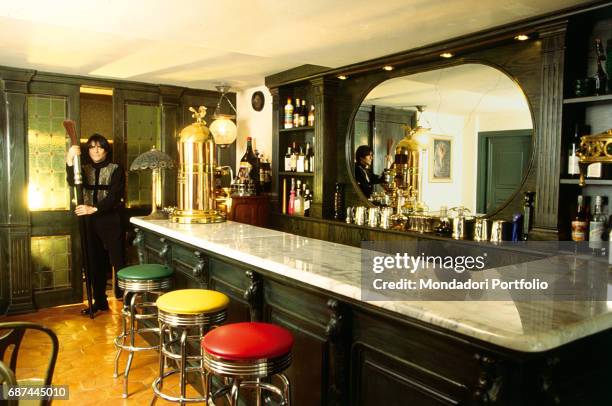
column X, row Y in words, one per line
column 350, row 164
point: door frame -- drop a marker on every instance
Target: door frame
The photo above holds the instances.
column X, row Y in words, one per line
column 482, row 160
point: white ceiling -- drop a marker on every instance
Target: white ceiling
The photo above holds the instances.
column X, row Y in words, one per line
column 200, row 43
column 461, row 90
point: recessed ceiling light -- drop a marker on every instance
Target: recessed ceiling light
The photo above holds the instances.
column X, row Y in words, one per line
column 342, row 77
column 388, row 67
column 446, row 55
column 521, row 37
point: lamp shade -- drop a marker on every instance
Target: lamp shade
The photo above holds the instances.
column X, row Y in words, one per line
column 152, row 159
column 224, row 130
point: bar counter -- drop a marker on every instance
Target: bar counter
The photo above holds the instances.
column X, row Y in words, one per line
column 450, row 350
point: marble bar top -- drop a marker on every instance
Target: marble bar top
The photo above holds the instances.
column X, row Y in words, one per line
column 517, row 325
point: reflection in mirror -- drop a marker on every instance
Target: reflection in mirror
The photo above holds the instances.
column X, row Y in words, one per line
column 474, row 137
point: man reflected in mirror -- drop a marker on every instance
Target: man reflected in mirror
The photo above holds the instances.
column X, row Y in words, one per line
column 364, row 175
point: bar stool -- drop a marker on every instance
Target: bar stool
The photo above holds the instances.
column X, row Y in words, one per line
column 245, row 353
column 136, row 281
column 180, row 313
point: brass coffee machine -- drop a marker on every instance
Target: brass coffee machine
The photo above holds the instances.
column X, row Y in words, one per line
column 197, row 169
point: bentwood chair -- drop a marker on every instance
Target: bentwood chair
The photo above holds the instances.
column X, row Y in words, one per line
column 11, row 338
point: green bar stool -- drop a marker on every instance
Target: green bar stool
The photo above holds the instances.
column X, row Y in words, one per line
column 138, row 282
column 184, row 317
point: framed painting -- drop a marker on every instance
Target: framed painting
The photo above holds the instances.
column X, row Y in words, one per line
column 440, row 159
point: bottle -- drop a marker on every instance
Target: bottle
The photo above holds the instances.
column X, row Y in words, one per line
column 262, row 173
column 307, row 201
column 311, row 160
column 289, row 114
column 597, row 227
column 303, row 114
column 601, row 79
column 250, row 161
column 291, row 208
column 300, row 167
column 288, row 160
column 339, row 202
column 298, row 204
column 311, row 116
column 307, row 158
column 572, row 162
column 527, row 211
column 580, row 224
column 294, row 158
column 296, row 113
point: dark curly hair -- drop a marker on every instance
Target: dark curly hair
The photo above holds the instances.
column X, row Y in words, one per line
column 362, row 152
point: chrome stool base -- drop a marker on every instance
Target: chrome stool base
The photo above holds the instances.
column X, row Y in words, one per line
column 174, row 330
column 134, row 290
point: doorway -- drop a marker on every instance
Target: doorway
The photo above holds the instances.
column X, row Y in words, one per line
column 503, row 158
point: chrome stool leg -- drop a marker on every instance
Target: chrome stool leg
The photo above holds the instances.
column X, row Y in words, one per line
column 128, row 365
column 120, row 347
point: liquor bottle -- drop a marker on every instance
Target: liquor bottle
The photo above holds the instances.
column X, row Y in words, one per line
column 311, row 160
column 300, row 167
column 250, row 161
column 572, row 161
column 288, row 156
column 262, row 173
column 296, row 113
column 298, row 204
column 580, row 224
column 303, row 114
column 289, row 114
column 311, row 116
column 307, row 201
column 291, row 208
column 307, row 158
column 339, row 202
column 294, row 158
column 601, row 79
column 597, row 228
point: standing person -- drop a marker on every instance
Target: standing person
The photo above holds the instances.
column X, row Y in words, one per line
column 103, row 190
column 365, row 177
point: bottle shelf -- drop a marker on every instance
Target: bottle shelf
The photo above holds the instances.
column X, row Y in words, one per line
column 598, row 182
column 606, row 98
column 296, row 173
column 288, row 130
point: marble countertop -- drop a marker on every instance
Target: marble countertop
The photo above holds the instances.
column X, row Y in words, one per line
column 526, row 326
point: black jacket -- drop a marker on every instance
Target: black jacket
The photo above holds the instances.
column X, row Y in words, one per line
column 366, row 179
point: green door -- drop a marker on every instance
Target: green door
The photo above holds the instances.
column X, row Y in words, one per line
column 503, row 157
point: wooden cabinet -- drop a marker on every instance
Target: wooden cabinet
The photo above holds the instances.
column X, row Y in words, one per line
column 254, row 210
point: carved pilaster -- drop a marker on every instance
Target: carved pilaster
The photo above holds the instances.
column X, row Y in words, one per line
column 165, row 252
column 325, row 91
column 336, row 331
column 200, row 269
column 548, row 140
column 139, row 244
column 254, row 295
column 489, row 381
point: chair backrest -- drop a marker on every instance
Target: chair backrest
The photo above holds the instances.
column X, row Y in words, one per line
column 11, row 334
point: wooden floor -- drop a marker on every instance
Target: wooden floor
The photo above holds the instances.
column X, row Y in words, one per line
column 86, row 357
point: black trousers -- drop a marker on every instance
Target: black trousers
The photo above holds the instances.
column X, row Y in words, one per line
column 105, row 248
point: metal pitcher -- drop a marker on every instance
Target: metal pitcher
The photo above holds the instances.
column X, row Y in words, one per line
column 360, row 215
column 373, row 216
column 481, row 229
column 500, row 231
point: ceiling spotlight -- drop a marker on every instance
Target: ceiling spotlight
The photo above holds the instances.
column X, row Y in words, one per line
column 446, row 55
column 342, row 77
column 521, row 37
column 388, row 68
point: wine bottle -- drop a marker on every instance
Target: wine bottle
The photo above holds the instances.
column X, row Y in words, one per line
column 296, row 113
column 288, row 156
column 307, row 158
column 572, row 161
column 300, row 167
column 251, row 162
column 291, row 208
column 288, row 114
column 580, row 223
column 303, row 114
column 294, row 158
column 307, row 200
column 597, row 227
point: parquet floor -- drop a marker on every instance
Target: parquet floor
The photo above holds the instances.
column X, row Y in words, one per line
column 86, row 357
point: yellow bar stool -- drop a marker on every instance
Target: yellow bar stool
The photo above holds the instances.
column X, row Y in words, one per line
column 184, row 317
column 138, row 282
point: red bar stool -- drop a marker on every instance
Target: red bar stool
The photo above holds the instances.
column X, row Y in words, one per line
column 245, row 353
column 184, row 317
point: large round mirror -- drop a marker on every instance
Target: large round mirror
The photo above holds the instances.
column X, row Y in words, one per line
column 473, row 128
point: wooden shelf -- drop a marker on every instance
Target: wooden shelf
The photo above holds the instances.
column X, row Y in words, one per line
column 594, row 182
column 606, row 98
column 288, row 130
column 296, row 174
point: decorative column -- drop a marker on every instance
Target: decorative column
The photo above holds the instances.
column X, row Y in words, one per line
column 548, row 142
column 15, row 263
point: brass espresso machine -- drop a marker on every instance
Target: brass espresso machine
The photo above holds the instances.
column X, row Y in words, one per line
column 197, row 172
